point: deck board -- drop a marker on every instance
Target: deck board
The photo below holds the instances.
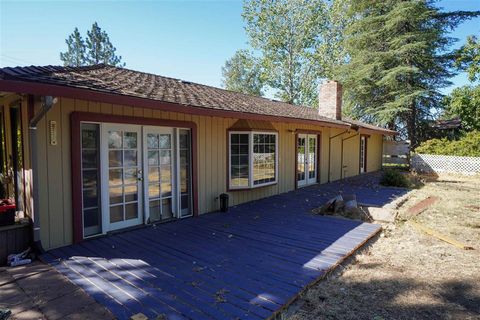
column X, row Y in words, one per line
column 245, row 264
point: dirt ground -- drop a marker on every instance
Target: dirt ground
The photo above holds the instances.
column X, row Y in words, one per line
column 404, row 273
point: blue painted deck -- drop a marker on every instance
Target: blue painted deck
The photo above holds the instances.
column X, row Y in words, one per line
column 245, row 264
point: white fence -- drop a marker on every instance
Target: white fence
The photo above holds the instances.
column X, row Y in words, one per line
column 430, row 163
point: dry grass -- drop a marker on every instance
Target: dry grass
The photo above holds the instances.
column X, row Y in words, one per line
column 406, row 274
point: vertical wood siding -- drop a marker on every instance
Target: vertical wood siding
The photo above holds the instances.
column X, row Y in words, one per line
column 55, row 173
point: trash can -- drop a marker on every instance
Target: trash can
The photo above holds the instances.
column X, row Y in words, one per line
column 224, row 202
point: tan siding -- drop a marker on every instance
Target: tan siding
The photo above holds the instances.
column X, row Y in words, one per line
column 43, row 187
column 374, row 152
column 55, row 178
column 351, row 156
column 55, row 201
column 335, row 155
column 68, row 105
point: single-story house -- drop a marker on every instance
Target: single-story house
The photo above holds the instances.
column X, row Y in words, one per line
column 90, row 150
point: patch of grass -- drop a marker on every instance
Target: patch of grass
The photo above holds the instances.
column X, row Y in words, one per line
column 394, row 178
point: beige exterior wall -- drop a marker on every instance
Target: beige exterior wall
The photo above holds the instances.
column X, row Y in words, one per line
column 374, row 152
column 55, row 164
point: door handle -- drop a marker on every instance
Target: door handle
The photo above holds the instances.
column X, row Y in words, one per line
column 139, row 175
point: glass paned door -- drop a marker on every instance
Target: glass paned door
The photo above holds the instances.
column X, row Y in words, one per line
column 301, row 160
column 306, row 159
column 91, row 205
column 312, row 159
column 185, row 172
column 160, row 197
column 363, row 165
column 122, row 175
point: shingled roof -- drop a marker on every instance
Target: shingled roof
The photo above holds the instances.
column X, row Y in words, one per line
column 125, row 82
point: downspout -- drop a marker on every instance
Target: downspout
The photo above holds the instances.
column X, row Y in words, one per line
column 47, row 104
column 341, row 156
column 330, row 148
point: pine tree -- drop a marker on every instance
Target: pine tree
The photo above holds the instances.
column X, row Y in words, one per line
column 399, row 60
column 75, row 54
column 100, row 49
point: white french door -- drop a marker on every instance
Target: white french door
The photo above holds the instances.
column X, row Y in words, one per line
column 306, row 159
column 160, row 182
column 363, row 152
column 121, row 168
column 143, row 174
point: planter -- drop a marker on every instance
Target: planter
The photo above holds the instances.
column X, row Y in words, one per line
column 7, row 213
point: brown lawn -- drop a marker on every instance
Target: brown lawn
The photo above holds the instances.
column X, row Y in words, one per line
column 406, row 274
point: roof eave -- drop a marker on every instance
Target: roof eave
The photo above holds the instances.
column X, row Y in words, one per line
column 36, row 88
column 385, row 132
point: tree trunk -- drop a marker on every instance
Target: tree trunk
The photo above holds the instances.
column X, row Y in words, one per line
column 412, row 125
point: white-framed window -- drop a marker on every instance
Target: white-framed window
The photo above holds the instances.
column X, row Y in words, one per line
column 253, row 159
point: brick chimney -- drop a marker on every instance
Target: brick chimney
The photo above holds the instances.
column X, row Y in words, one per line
column 330, row 99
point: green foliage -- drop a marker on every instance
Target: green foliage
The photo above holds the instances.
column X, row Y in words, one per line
column 331, row 52
column 464, row 103
column 95, row 50
column 75, row 54
column 100, row 49
column 243, row 73
column 287, row 34
column 468, row 146
column 469, row 58
column 399, row 60
column 394, row 178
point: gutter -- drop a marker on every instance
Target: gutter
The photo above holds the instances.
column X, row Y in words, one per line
column 47, row 104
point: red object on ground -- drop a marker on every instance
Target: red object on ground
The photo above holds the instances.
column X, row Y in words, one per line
column 422, row 205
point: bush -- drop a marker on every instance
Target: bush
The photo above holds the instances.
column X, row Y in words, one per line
column 467, row 146
column 394, row 178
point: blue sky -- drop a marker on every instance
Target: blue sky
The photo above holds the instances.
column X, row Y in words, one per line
column 189, row 40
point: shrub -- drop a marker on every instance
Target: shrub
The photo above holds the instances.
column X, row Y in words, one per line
column 467, row 146
column 394, row 178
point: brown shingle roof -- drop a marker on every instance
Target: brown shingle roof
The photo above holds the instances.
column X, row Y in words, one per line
column 121, row 81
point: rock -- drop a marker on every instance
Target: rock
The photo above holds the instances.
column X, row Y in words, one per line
column 331, row 205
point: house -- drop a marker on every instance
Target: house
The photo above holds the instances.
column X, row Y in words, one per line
column 97, row 149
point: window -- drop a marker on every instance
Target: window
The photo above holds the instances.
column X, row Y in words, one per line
column 253, row 159
column 92, row 221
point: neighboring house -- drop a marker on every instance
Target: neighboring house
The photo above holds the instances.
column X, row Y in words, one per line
column 450, row 128
column 97, row 149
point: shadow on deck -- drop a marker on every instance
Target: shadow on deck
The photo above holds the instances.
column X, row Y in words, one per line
column 248, row 263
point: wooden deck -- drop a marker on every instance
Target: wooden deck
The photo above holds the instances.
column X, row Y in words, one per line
column 246, row 264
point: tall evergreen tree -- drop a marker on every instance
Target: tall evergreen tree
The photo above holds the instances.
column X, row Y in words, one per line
column 242, row 73
column 75, row 54
column 399, row 60
column 100, row 49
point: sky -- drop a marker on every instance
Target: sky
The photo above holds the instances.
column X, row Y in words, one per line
column 189, row 40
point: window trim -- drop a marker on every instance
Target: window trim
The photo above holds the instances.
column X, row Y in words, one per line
column 251, row 184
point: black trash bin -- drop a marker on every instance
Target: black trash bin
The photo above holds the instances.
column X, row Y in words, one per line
column 224, row 202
